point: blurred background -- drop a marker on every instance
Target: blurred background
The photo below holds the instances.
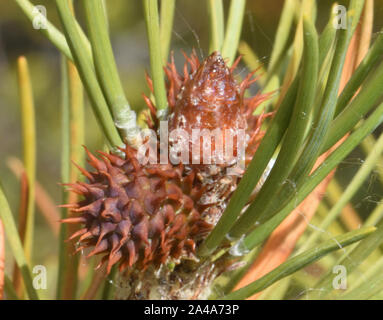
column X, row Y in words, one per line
column 128, row 34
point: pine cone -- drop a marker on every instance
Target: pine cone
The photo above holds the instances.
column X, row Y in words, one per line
column 147, row 215
column 136, row 214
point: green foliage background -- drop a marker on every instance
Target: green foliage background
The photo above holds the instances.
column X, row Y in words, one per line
column 128, row 34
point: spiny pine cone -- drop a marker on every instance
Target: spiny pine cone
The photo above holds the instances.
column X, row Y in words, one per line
column 147, row 215
column 136, row 214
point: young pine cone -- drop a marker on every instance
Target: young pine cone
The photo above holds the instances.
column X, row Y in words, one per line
column 147, row 215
